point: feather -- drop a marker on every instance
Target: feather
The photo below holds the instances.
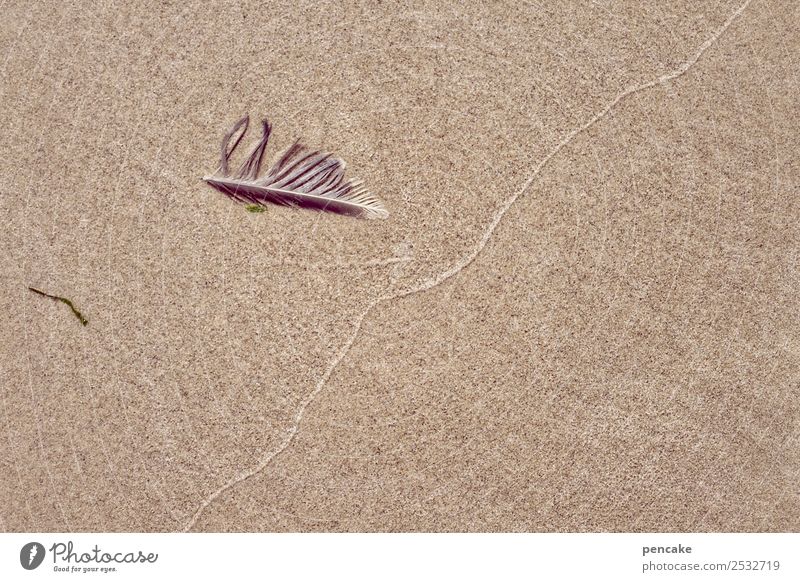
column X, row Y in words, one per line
column 301, row 178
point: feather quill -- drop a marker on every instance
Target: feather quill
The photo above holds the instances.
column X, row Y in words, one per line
column 301, row 178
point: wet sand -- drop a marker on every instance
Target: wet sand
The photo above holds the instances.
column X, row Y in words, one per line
column 581, row 315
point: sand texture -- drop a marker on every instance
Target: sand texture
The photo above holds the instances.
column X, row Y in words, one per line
column 581, row 315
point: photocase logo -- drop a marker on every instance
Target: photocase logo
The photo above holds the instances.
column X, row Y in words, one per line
column 68, row 558
column 31, row 555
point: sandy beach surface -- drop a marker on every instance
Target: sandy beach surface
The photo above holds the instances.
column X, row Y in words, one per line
column 581, row 315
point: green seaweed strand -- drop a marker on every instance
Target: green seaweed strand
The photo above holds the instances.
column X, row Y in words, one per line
column 255, row 208
column 77, row 313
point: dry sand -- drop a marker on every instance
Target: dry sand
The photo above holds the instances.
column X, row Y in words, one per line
column 582, row 314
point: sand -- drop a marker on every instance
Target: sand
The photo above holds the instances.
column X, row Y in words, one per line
column 581, row 315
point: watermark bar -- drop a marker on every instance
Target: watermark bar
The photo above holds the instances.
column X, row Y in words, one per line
column 375, row 557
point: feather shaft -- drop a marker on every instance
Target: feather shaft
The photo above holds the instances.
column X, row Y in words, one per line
column 362, row 205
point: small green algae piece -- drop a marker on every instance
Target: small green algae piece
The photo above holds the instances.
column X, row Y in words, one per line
column 77, row 313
